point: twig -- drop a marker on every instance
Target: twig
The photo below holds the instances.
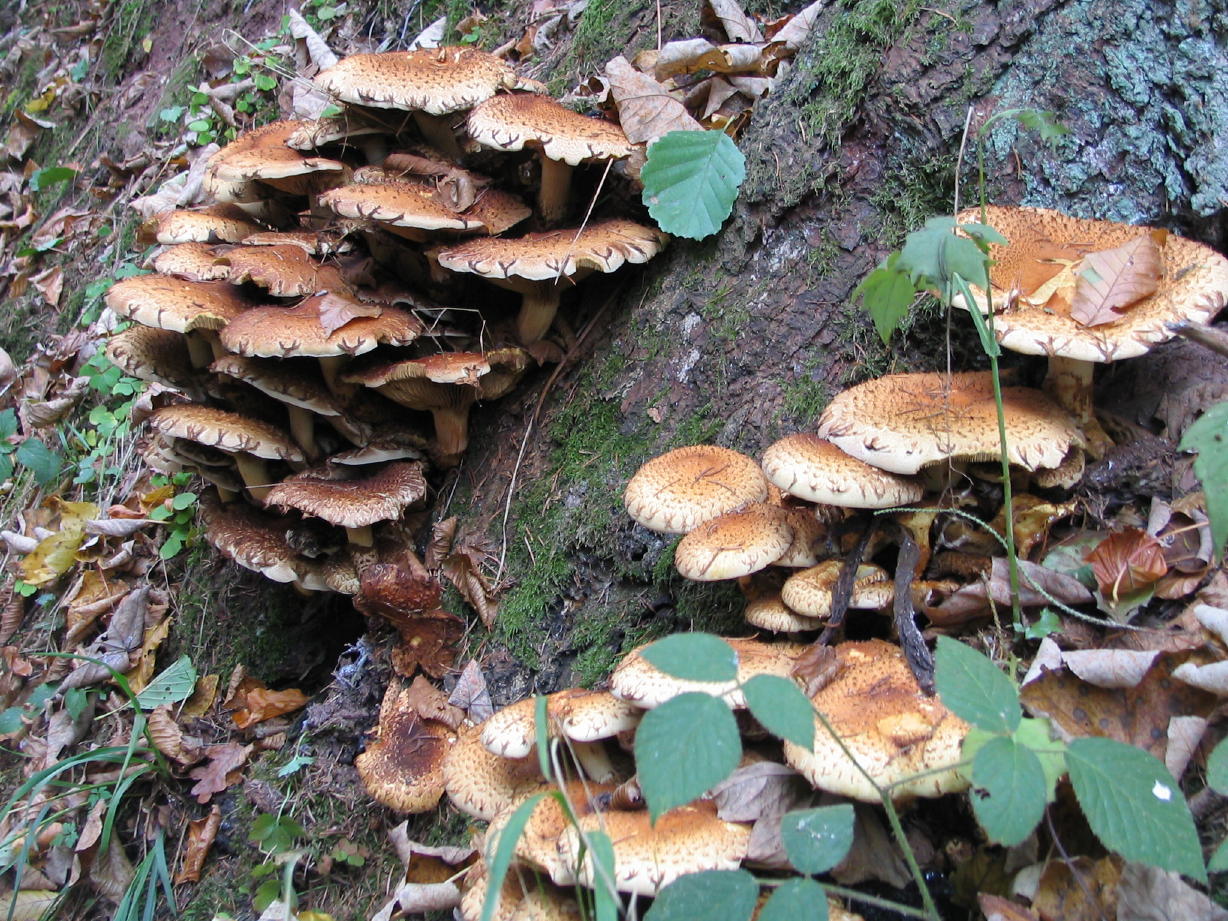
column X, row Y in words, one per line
column 920, row 659
column 842, row 591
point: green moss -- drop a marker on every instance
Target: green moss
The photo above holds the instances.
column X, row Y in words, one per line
column 24, row 85
column 606, row 28
column 807, row 394
column 132, row 21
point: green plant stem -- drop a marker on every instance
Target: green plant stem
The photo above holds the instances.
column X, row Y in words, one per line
column 1007, row 499
column 855, row 896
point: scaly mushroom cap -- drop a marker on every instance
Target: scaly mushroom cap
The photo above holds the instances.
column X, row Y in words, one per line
column 297, row 385
column 262, row 154
column 404, row 203
column 524, row 897
column 808, row 532
column 638, row 681
column 902, row 422
column 218, row 428
column 252, row 539
column 515, row 121
column 648, row 857
column 580, row 715
column 603, row 246
column 809, row 592
column 193, row 261
column 890, row 727
column 814, row 469
column 734, row 544
column 282, row 332
column 683, row 488
column 152, row 354
column 435, row 80
column 355, row 503
column 403, row 767
column 769, row 612
column 385, row 445
column 214, row 224
column 1193, row 286
column 285, row 271
column 445, row 380
column 481, row 784
column 175, row 303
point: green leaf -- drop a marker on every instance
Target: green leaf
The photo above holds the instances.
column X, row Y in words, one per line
column 934, row 255
column 10, row 720
column 602, row 851
column 691, row 179
column 1008, row 793
column 1134, row 806
column 817, row 839
column 887, row 293
column 694, row 657
column 1047, row 622
column 264, row 82
column 713, row 895
column 200, row 124
column 171, row 113
column 541, row 731
column 782, row 708
column 295, row 764
column 1219, row 860
column 982, row 233
column 1036, row 735
column 6, row 467
column 40, row 460
column 504, row 851
column 170, row 687
column 8, row 424
column 183, row 500
column 1209, row 437
column 684, row 747
column 275, row 833
column 51, row 175
column 975, row 689
column 171, row 546
column 796, row 900
column 1217, row 768
column 1043, row 123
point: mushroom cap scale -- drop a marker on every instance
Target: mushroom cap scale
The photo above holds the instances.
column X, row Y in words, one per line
column 193, row 261
column 809, row 592
column 280, row 332
column 297, row 385
column 816, row 470
column 681, row 489
column 902, row 422
column 285, row 270
column 228, row 431
column 252, row 539
column 481, row 784
column 353, row 503
column 515, row 121
column 153, row 354
column 214, row 224
column 404, row 203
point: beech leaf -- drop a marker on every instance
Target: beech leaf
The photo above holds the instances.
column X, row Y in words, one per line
column 1113, row 279
column 1126, row 562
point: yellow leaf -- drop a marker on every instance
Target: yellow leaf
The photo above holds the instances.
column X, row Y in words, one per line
column 139, row 676
column 147, row 44
column 54, row 556
column 202, row 698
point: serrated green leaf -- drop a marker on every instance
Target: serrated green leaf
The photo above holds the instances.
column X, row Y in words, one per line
column 40, row 460
column 975, row 689
column 934, row 255
column 1008, row 793
column 796, row 900
column 683, row 748
column 782, row 708
column 1134, row 806
column 694, row 657
column 691, row 179
column 51, row 175
column 713, row 895
column 1209, row 437
column 982, row 233
column 887, row 293
column 176, row 683
column 817, row 839
column 505, row 849
column 1217, row 768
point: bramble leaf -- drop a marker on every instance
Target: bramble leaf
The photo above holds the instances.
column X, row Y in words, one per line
column 817, row 839
column 795, row 899
column 975, row 689
column 714, row 895
column 782, row 708
column 1009, row 790
column 684, row 747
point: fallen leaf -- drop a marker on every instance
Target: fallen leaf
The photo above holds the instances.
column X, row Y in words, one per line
column 397, row 593
column 169, row 739
column 221, row 771
column 759, row 789
column 431, row 703
column 443, row 534
column 56, row 553
column 462, row 570
column 50, row 284
column 996, row 908
column 875, row 855
column 1127, row 562
column 1078, row 890
column 974, row 600
column 11, row 616
column 144, row 668
column 646, row 109
column 737, row 26
column 1113, row 279
column 91, row 597
column 795, row 29
column 201, row 835
column 202, row 698
column 471, row 694
column 114, row 647
column 1147, row 893
column 336, row 311
column 253, row 703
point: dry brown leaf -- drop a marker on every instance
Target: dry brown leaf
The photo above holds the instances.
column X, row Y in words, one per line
column 221, row 771
column 1111, row 280
column 694, row 54
column 462, row 570
column 996, row 908
column 431, row 703
column 122, row 637
column 253, row 703
column 1127, row 562
column 56, row 553
column 874, row 854
column 763, row 788
column 973, row 600
column 443, row 534
column 201, row 835
column 1150, row 894
column 1078, row 890
column 1110, row 668
column 471, row 693
column 94, row 596
column 733, row 21
column 646, row 109
column 793, row 31
column 50, row 284
column 169, row 739
column 11, row 616
column 144, row 668
column 202, row 697
column 336, row 311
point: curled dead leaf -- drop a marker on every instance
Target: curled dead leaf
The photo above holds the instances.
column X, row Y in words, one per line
column 201, row 835
column 253, row 703
column 1127, row 562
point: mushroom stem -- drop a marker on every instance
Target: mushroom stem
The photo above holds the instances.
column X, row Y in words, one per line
column 255, row 474
column 200, row 349
column 555, row 191
column 362, row 537
column 1069, row 383
column 302, row 427
column 452, row 429
column 331, row 366
column 593, row 760
column 537, row 309
column 437, row 131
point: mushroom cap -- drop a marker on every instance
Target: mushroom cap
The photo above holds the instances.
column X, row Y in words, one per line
column 523, row 897
column 808, row 531
column 175, row 303
column 152, row 354
column 683, row 488
column 816, row 470
column 580, row 715
column 638, row 681
column 193, row 261
column 603, row 246
column 317, row 243
column 298, row 385
column 285, row 270
column 1193, row 286
column 405, row 203
column 435, row 80
column 902, row 422
column 385, row 445
column 317, row 132
column 254, row 540
column 809, row 592
column 734, row 544
column 262, row 154
column 445, row 380
column 228, row 431
column 889, row 726
column 353, row 503
column 482, row 784
column 769, row 612
column 281, row 332
column 515, row 121
column 214, row 224
column 403, row 767
column 648, row 857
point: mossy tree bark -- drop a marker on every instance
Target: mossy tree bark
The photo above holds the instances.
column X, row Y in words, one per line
column 741, row 338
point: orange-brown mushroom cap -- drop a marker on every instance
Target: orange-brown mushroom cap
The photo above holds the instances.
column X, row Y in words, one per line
column 683, row 488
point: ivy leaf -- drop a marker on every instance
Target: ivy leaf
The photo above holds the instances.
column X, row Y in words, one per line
column 975, row 689
column 887, row 293
column 714, row 895
column 1209, row 437
column 782, row 708
column 796, row 899
column 1134, row 806
column 690, row 181
column 817, row 839
column 694, row 657
column 1009, row 790
column 683, row 748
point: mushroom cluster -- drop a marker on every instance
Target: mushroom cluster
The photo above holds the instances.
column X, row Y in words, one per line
column 322, row 317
